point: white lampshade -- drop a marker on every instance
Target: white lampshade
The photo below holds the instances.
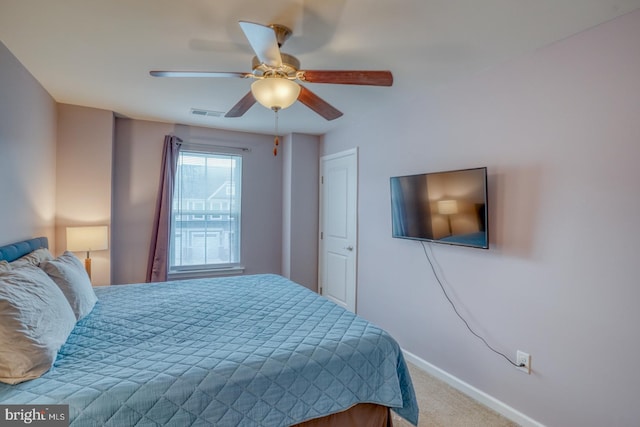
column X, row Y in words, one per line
column 447, row 207
column 92, row 238
column 275, row 92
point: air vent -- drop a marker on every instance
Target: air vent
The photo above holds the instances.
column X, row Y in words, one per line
column 206, row 113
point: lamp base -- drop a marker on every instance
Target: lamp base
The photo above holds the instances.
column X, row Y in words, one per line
column 87, row 266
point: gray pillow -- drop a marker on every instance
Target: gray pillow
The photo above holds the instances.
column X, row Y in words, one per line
column 69, row 274
column 33, row 258
column 35, row 321
column 4, row 266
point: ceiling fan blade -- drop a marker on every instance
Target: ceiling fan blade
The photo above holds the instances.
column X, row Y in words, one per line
column 156, row 73
column 371, row 78
column 264, row 42
column 242, row 106
column 317, row 104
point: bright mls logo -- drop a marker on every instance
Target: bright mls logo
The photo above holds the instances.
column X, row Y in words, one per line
column 34, row 415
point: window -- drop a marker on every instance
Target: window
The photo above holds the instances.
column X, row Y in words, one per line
column 205, row 220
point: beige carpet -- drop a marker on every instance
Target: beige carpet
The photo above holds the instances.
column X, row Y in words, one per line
column 443, row 406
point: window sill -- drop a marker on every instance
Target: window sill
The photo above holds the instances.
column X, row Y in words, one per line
column 196, row 274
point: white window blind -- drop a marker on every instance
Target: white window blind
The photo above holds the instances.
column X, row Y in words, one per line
column 205, row 220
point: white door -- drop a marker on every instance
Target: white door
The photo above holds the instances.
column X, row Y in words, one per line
column 338, row 227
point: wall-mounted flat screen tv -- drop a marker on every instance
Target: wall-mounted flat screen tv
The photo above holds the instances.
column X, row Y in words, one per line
column 443, row 207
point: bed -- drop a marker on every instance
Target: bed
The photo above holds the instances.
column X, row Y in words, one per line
column 254, row 350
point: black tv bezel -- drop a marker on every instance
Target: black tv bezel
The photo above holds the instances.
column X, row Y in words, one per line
column 486, row 208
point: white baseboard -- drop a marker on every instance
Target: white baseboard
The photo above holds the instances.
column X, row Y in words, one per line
column 478, row 395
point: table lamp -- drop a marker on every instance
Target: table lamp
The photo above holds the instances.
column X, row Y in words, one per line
column 87, row 239
column 448, row 208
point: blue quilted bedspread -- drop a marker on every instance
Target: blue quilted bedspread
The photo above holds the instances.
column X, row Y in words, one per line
column 239, row 351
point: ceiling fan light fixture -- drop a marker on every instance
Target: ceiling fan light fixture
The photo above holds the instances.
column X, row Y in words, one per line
column 275, row 92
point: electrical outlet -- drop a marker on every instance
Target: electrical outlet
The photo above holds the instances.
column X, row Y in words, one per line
column 523, row 360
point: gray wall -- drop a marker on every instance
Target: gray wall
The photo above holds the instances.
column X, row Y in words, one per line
column 83, row 178
column 559, row 132
column 27, row 154
column 300, row 209
column 137, row 155
column 56, row 159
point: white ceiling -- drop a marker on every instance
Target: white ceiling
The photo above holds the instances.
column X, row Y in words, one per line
column 98, row 53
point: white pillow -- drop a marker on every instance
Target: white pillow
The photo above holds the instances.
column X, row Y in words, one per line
column 35, row 321
column 69, row 274
column 33, row 258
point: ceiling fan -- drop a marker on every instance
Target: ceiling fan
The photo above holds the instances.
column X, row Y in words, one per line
column 275, row 73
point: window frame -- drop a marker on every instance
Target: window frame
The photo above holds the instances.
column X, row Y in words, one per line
column 210, row 269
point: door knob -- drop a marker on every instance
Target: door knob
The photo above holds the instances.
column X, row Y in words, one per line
column 349, row 248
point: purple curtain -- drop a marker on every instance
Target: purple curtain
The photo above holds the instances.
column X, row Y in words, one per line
column 159, row 252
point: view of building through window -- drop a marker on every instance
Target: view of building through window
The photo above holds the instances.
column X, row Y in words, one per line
column 205, row 222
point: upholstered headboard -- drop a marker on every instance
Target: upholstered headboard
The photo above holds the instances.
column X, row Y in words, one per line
column 15, row 250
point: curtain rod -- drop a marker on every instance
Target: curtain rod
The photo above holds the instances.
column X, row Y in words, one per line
column 204, row 145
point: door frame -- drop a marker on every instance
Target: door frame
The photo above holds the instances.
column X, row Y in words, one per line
column 350, row 152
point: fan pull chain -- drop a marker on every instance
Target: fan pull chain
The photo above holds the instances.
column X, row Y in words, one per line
column 276, row 140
